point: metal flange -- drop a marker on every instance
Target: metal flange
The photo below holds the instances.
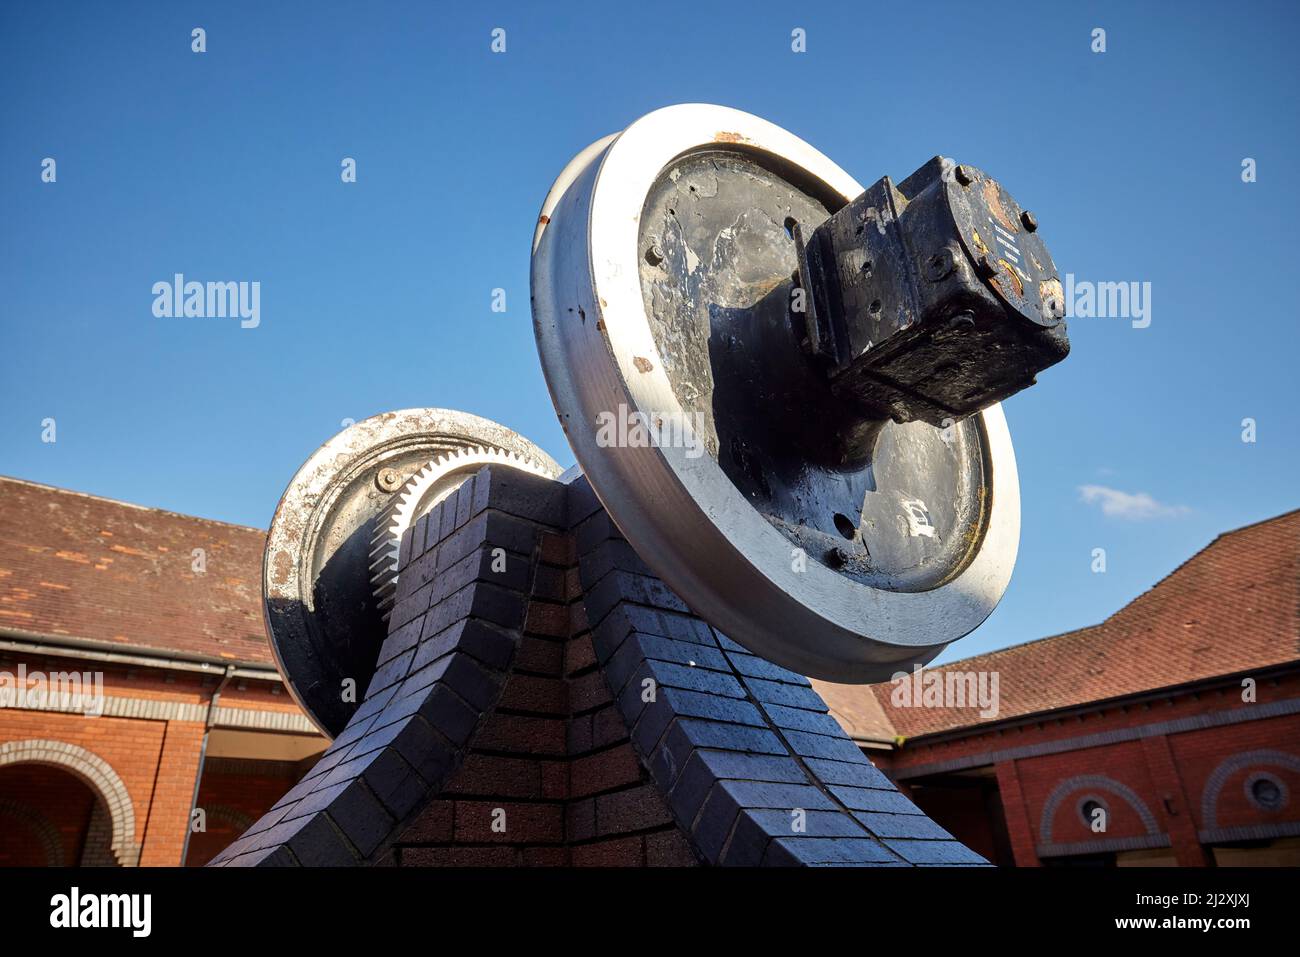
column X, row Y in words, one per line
column 661, row 264
column 323, row 617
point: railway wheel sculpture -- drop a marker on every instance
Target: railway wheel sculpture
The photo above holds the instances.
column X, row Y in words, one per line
column 782, row 393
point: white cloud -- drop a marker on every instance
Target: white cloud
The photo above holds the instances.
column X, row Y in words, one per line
column 1131, row 506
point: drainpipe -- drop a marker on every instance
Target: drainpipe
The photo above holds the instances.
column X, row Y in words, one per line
column 203, row 754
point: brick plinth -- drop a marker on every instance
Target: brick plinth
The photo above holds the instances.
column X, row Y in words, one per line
column 543, row 699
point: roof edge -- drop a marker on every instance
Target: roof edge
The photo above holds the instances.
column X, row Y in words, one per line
column 1100, row 704
column 1160, row 581
column 116, row 501
column 158, row 657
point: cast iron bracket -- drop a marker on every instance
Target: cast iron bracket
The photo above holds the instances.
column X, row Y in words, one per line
column 932, row 299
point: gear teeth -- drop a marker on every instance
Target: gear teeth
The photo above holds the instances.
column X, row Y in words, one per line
column 417, row 496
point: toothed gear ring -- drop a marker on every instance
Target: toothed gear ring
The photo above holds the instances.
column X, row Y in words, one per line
column 324, row 621
column 422, row 491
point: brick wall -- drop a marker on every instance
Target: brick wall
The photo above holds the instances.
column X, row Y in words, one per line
column 151, row 759
column 1171, row 771
column 133, row 749
column 552, row 764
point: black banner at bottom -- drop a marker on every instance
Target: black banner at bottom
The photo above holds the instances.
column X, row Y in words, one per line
column 337, row 907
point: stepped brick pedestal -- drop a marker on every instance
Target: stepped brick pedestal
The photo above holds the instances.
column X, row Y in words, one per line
column 543, row 699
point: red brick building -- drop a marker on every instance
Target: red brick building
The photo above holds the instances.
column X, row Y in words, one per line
column 1178, row 717
column 1143, row 718
column 133, row 665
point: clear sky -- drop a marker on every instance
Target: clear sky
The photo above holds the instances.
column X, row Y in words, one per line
column 376, row 295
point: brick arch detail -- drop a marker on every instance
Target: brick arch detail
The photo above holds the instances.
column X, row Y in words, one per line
column 1264, row 757
column 95, row 772
column 1101, row 783
column 97, row 850
column 47, row 833
column 429, row 695
column 738, row 749
column 736, row 744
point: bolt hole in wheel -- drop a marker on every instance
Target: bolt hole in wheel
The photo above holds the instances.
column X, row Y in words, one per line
column 846, row 526
column 790, row 224
column 875, row 307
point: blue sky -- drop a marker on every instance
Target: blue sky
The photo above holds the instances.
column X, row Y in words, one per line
column 376, row 295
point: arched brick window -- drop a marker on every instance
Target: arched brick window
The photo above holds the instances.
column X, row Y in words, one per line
column 1214, row 784
column 1094, row 782
column 97, row 774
